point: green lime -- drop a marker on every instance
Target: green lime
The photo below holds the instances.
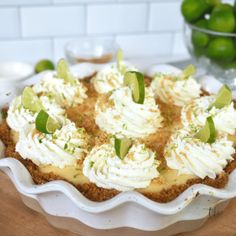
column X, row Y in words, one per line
column 122, row 147
column 119, row 61
column 30, row 100
column 135, row 80
column 208, row 133
column 222, row 20
column 200, row 39
column 194, row 9
column 44, row 65
column 187, row 72
column 45, row 124
column 221, row 49
column 222, row 7
column 63, row 71
column 213, row 3
column 223, row 97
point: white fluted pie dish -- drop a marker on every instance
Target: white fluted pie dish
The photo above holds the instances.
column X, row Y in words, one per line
column 129, row 212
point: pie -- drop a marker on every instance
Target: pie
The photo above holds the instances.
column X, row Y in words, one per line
column 120, row 131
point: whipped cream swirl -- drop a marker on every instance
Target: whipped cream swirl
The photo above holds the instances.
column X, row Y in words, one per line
column 107, row 170
column 65, row 93
column 196, row 112
column 189, row 155
column 62, row 148
column 118, row 114
column 170, row 89
column 109, row 78
column 18, row 116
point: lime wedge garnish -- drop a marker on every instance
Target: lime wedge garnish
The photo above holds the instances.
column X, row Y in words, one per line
column 135, row 80
column 223, row 97
column 122, row 147
column 188, row 71
column 208, row 133
column 45, row 124
column 63, row 71
column 119, row 61
column 44, row 65
column 30, row 100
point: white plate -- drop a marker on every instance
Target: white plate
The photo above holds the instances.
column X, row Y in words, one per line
column 15, row 71
column 129, row 213
column 12, row 74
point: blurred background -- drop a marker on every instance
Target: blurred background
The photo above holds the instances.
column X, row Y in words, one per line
column 36, row 29
column 148, row 31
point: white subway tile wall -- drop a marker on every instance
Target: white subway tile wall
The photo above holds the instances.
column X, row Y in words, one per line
column 116, row 18
column 36, row 29
column 52, row 21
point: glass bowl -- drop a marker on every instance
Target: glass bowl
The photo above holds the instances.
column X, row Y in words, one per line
column 213, row 52
column 93, row 50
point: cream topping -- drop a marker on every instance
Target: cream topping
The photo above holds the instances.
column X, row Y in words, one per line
column 18, row 116
column 107, row 170
column 170, row 89
column 62, row 148
column 108, row 78
column 196, row 112
column 189, row 155
column 120, row 115
column 65, row 93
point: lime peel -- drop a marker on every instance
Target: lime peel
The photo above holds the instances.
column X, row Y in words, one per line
column 187, row 72
column 223, row 98
column 63, row 71
column 30, row 100
column 122, row 147
column 45, row 124
column 208, row 133
column 119, row 60
column 135, row 80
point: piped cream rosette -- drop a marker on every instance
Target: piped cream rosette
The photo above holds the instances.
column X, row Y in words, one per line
column 189, row 155
column 196, row 112
column 175, row 89
column 64, row 92
column 62, row 148
column 136, row 170
column 118, row 114
column 18, row 116
column 109, row 78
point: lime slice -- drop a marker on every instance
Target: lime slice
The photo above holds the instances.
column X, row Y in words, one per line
column 208, row 133
column 135, row 80
column 45, row 124
column 44, row 65
column 122, row 147
column 187, row 72
column 63, row 71
column 119, row 61
column 30, row 100
column 223, row 97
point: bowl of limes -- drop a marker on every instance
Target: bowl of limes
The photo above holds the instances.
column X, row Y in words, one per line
column 210, row 36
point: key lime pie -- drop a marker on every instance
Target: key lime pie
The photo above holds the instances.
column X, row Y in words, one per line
column 120, row 131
